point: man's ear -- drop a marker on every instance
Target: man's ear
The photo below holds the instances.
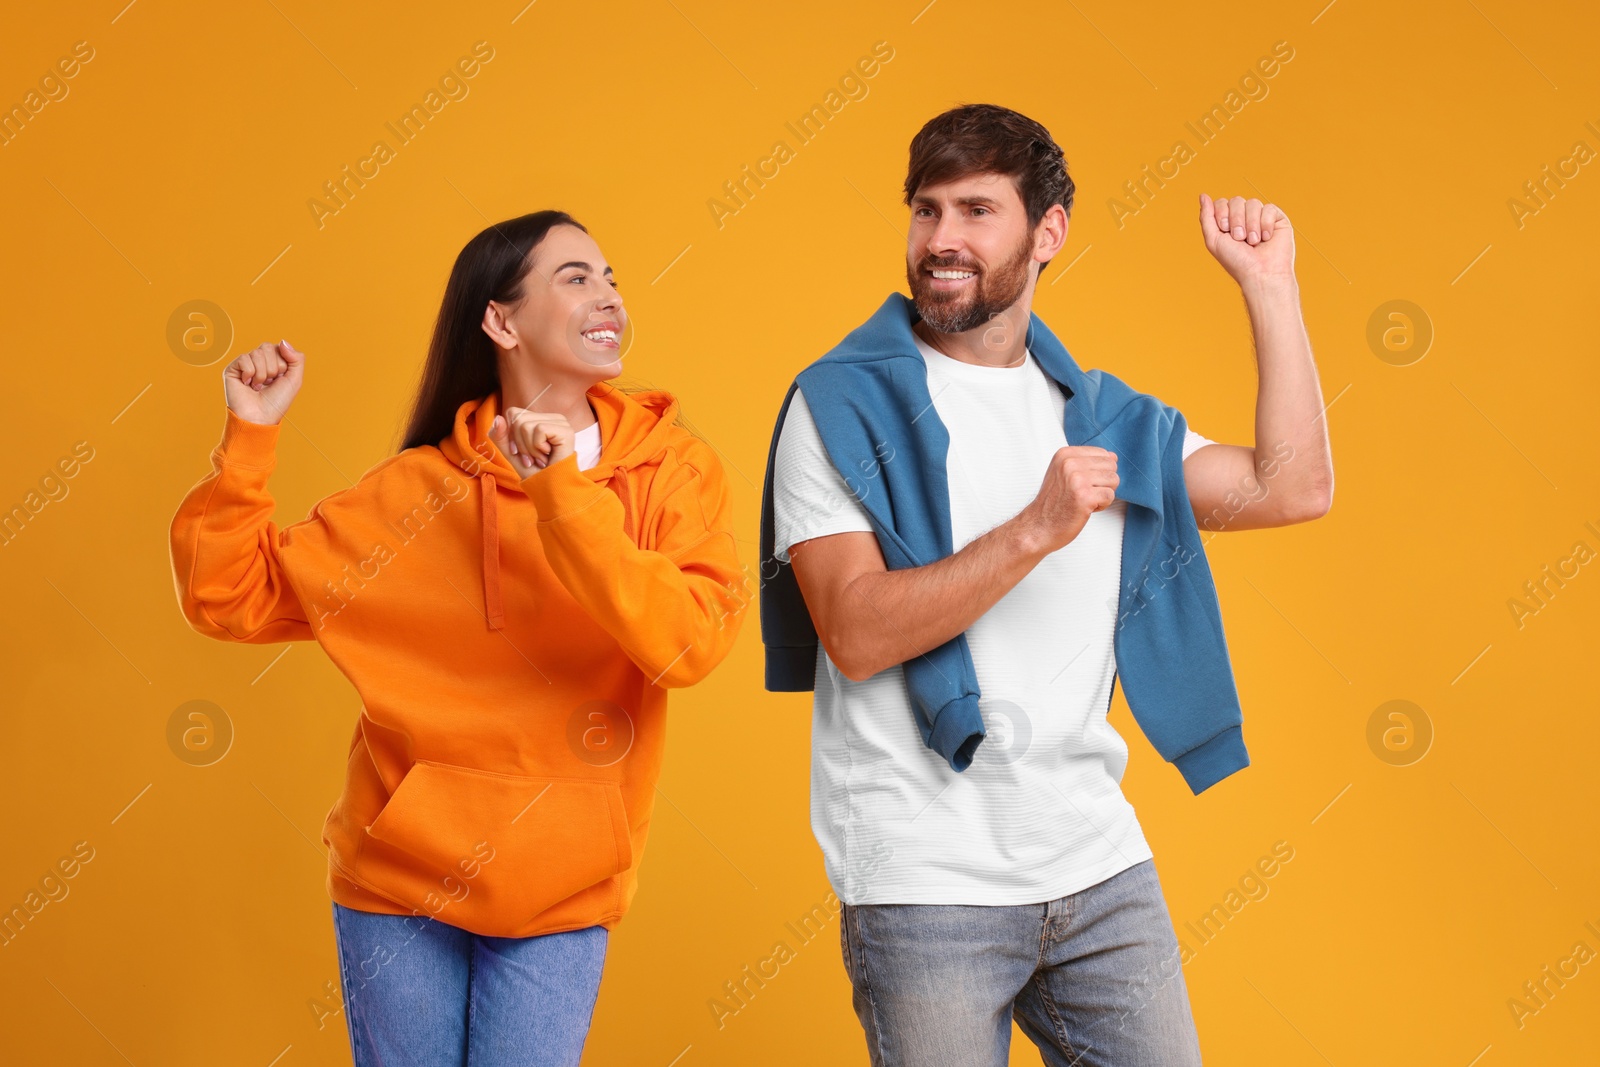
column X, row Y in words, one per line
column 497, row 324
column 1051, row 237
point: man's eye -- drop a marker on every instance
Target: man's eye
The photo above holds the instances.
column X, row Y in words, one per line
column 980, row 211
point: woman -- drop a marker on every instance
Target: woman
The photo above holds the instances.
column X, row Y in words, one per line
column 511, row 595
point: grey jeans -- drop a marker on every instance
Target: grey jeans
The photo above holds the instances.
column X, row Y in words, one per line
column 1093, row 978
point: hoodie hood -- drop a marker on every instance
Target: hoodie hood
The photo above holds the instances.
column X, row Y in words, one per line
column 634, row 429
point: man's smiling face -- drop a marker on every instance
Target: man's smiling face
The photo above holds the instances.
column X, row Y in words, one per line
column 970, row 251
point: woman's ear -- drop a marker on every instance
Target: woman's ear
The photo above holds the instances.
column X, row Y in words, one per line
column 497, row 324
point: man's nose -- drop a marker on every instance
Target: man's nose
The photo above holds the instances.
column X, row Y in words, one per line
column 946, row 236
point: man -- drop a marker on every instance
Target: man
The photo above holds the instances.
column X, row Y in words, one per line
column 935, row 495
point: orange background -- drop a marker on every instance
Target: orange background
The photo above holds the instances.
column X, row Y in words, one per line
column 1422, row 894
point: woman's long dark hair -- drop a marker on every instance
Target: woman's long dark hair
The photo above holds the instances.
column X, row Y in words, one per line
column 462, row 362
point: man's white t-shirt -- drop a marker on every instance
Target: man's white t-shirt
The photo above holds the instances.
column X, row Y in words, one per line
column 1040, row 812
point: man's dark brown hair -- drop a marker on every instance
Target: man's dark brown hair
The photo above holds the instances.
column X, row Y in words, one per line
column 978, row 138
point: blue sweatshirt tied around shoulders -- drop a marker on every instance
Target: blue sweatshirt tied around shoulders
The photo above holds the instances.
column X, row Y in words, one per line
column 869, row 399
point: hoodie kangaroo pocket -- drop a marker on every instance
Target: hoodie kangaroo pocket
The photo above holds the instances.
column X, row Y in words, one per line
column 487, row 851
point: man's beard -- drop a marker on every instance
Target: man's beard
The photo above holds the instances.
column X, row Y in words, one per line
column 990, row 294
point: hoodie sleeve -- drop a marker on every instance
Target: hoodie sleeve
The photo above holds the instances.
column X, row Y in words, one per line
column 226, row 551
column 675, row 610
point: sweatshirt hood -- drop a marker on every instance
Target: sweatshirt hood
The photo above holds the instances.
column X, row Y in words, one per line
column 634, row 429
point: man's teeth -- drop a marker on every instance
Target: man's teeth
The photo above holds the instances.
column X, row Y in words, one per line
column 601, row 335
column 953, row 275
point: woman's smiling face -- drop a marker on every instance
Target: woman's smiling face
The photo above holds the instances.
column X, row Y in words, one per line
column 570, row 320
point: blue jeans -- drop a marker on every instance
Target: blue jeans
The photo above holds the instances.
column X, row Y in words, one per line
column 418, row 991
column 1093, row 978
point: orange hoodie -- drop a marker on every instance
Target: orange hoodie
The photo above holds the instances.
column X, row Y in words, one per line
column 512, row 642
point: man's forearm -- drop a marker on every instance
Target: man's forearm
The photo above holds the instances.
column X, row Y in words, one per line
column 1289, row 400
column 888, row 617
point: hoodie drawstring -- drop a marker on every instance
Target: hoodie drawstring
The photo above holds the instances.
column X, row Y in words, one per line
column 491, row 553
column 493, row 608
column 620, row 474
